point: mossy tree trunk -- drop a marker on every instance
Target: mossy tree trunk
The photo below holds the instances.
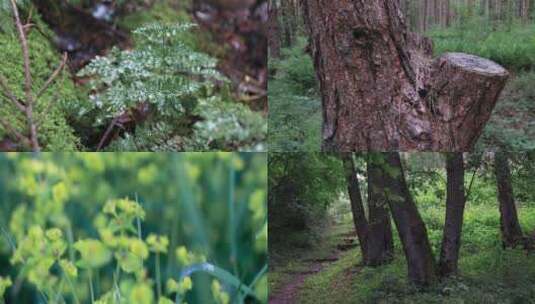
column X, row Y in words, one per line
column 409, row 223
column 510, row 226
column 380, row 241
column 455, row 202
column 357, row 207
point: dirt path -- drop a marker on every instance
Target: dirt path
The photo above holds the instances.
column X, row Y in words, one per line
column 290, row 292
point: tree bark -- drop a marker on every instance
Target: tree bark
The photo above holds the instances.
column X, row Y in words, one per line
column 510, row 227
column 455, row 202
column 410, row 226
column 382, row 91
column 274, row 37
column 380, row 241
column 357, row 207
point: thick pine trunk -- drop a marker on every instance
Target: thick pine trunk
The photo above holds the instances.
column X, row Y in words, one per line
column 455, row 202
column 510, row 227
column 357, row 207
column 380, row 241
column 410, row 226
column 382, row 91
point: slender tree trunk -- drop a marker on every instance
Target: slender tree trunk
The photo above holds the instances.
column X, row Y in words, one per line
column 380, row 241
column 410, row 226
column 381, row 90
column 510, row 227
column 274, row 37
column 357, row 207
column 455, row 202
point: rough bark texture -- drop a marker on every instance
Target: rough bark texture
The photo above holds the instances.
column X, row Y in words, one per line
column 274, row 38
column 357, row 207
column 510, row 227
column 380, row 242
column 382, row 91
column 455, row 202
column 410, row 226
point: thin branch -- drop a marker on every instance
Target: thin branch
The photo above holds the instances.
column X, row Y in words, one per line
column 11, row 95
column 107, row 133
column 27, row 78
column 53, row 76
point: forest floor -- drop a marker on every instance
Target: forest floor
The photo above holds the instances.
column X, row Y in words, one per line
column 287, row 281
column 488, row 273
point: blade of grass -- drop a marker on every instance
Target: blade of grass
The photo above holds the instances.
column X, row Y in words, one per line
column 220, row 274
column 189, row 203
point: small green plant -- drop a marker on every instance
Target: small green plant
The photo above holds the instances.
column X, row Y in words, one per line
column 178, row 85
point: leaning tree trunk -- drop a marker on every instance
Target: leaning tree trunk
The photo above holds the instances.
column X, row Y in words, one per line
column 510, row 227
column 410, row 226
column 382, row 91
column 380, row 242
column 357, row 207
column 455, row 202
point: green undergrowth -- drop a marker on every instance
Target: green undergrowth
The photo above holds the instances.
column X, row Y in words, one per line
column 511, row 45
column 53, row 107
column 489, row 274
column 513, row 120
column 294, row 102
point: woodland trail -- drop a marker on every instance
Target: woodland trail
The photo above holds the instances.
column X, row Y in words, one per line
column 311, row 266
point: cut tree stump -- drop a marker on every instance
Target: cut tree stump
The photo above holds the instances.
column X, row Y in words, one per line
column 382, row 90
column 464, row 90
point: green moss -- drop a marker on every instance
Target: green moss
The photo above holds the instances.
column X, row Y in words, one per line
column 50, row 112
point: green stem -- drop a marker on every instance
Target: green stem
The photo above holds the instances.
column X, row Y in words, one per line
column 60, row 290
column 73, row 291
column 232, row 224
column 91, row 287
column 158, row 276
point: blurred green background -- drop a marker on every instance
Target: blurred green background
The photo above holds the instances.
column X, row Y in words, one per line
column 214, row 204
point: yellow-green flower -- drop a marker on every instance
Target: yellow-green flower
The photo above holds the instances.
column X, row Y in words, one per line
column 109, row 207
column 54, row 234
column 69, row 269
column 157, row 243
column 131, row 208
column 4, row 284
column 60, row 193
column 183, row 255
column 171, row 286
column 186, row 284
column 141, row 294
column 219, row 295
column 164, row 300
column 94, row 253
column 139, row 248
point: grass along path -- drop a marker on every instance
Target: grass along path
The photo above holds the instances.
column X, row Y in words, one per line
column 488, row 274
column 287, row 282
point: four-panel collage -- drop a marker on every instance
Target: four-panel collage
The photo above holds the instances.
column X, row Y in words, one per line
column 267, row 151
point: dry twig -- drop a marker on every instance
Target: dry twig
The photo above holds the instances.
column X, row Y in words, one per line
column 26, row 106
